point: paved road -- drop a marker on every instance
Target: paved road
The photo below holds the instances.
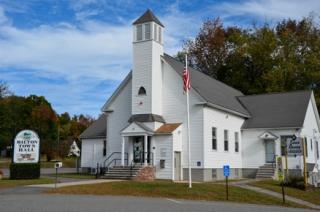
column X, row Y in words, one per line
column 45, row 171
column 80, row 203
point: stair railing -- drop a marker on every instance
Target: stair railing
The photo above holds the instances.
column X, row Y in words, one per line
column 110, row 160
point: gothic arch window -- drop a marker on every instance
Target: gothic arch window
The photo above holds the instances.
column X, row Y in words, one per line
column 142, row 91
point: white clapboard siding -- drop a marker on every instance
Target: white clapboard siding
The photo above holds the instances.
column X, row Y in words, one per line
column 221, row 121
column 118, row 119
column 91, row 152
column 163, row 151
column 253, row 148
column 147, row 72
column 310, row 127
column 175, row 111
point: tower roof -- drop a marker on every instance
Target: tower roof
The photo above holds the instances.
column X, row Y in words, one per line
column 148, row 16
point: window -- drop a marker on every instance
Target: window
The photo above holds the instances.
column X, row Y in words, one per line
column 311, row 144
column 142, row 91
column 236, row 142
column 284, row 143
column 317, row 150
column 214, row 138
column 147, row 31
column 226, row 140
column 160, row 34
column 104, row 147
column 155, row 32
column 139, row 32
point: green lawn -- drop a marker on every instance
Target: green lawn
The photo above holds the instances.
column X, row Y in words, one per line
column 7, row 183
column 312, row 196
column 75, row 175
column 168, row 189
column 67, row 163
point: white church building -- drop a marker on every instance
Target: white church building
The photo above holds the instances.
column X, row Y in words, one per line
column 144, row 121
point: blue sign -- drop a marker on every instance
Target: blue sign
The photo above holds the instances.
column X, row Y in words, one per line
column 226, row 170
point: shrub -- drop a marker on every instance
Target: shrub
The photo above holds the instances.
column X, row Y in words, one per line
column 24, row 170
column 295, row 182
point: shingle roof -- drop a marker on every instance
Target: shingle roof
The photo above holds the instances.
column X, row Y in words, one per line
column 148, row 16
column 167, row 128
column 97, row 129
column 146, row 118
column 212, row 90
column 276, row 110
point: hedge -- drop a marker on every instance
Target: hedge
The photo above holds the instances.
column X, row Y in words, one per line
column 24, row 170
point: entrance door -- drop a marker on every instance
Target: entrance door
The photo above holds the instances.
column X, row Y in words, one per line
column 138, row 154
column 177, row 166
column 270, row 151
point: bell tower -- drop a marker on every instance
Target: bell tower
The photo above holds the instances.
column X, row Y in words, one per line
column 147, row 65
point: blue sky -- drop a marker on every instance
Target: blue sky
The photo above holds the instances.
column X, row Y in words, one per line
column 76, row 52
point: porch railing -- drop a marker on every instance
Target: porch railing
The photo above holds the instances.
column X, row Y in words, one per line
column 113, row 158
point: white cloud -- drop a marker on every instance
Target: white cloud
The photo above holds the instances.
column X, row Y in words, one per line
column 66, row 50
column 269, row 9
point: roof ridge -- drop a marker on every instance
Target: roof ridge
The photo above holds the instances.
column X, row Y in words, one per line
column 276, row 93
column 206, row 75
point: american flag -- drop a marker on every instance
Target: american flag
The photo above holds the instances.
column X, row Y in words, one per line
column 186, row 80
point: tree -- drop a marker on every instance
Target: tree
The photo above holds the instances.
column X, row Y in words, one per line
column 262, row 59
column 4, row 90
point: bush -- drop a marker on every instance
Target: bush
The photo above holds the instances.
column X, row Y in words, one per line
column 24, row 170
column 295, row 182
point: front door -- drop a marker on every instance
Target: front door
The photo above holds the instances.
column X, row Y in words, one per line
column 270, row 151
column 177, row 166
column 138, row 155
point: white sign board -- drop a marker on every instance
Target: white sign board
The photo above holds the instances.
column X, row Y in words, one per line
column 294, row 147
column 26, row 147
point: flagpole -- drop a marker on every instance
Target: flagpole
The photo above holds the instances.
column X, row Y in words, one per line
column 188, row 129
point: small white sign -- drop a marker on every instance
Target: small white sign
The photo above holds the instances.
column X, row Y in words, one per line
column 26, row 147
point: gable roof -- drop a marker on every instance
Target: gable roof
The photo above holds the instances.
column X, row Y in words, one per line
column 97, row 129
column 148, row 16
column 167, row 128
column 213, row 91
column 276, row 110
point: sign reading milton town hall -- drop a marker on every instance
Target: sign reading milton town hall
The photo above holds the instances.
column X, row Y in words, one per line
column 26, row 147
column 26, row 154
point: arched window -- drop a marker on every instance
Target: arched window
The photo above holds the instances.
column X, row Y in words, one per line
column 142, row 91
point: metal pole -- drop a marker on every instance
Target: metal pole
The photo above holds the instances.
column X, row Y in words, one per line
column 286, row 160
column 55, row 186
column 188, row 130
column 283, row 194
column 227, row 189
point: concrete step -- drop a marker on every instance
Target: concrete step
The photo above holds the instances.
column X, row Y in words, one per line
column 266, row 171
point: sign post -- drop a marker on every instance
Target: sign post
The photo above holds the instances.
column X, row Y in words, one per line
column 226, row 173
column 57, row 165
column 304, row 163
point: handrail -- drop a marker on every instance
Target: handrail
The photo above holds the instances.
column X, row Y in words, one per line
column 113, row 153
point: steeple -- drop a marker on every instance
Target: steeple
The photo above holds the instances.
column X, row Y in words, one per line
column 148, row 16
column 147, row 65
